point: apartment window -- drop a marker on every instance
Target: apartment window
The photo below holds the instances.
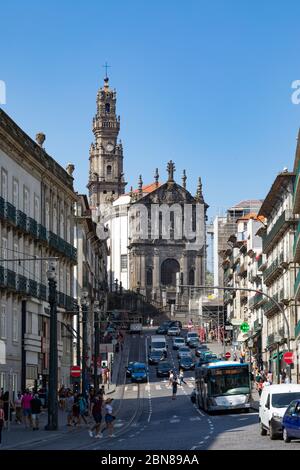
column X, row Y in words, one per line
column 62, row 225
column 54, row 228
column 15, row 326
column 4, row 251
column 3, row 381
column 29, row 323
column 15, row 193
column 36, row 208
column 123, row 262
column 26, row 201
column 3, row 322
column 68, row 230
column 4, row 183
column 16, row 256
column 47, row 215
column 15, row 383
column 68, row 290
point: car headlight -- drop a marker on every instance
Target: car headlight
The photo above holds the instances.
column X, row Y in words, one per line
column 277, row 416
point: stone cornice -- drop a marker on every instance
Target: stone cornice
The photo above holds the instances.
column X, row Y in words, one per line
column 23, row 149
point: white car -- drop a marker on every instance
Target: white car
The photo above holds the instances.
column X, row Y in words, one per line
column 178, row 342
column 274, row 401
column 184, row 351
column 174, row 331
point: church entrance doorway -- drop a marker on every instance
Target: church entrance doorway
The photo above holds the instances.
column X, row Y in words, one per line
column 169, row 268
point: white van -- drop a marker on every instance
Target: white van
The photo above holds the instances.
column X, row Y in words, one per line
column 274, row 401
column 158, row 343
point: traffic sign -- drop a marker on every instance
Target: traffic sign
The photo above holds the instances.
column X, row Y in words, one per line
column 75, row 371
column 228, row 327
column 288, row 357
column 227, row 355
column 245, row 327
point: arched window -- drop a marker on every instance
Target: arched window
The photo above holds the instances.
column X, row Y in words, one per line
column 169, row 268
column 192, row 277
column 149, row 277
column 107, row 107
column 108, row 171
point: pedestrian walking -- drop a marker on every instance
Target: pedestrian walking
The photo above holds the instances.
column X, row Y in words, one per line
column 181, row 375
column 35, row 407
column 69, row 402
column 5, row 400
column 96, row 411
column 174, row 387
column 109, row 418
column 171, row 377
column 26, row 399
column 18, row 408
column 1, row 421
column 82, row 403
column 75, row 410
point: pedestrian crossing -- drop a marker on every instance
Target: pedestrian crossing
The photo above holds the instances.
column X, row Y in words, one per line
column 162, row 385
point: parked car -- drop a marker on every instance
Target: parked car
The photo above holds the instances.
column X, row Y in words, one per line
column 291, row 422
column 163, row 369
column 174, row 331
column 178, row 342
column 154, row 357
column 139, row 372
column 184, row 351
column 186, row 363
column 201, row 348
column 274, row 401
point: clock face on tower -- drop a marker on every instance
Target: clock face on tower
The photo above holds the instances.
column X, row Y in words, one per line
column 109, row 147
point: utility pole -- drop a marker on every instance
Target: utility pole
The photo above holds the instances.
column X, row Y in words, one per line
column 52, row 386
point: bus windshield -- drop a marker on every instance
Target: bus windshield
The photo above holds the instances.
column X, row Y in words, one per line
column 228, row 381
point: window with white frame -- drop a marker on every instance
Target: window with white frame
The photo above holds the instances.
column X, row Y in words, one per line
column 62, row 226
column 47, row 215
column 29, row 327
column 3, row 322
column 3, row 255
column 68, row 230
column 3, row 183
column 54, row 225
column 123, row 262
column 3, row 381
column 15, row 325
column 36, row 208
column 16, row 256
column 15, row 192
column 26, row 201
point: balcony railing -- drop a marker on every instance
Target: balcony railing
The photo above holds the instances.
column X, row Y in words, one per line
column 270, row 339
column 297, row 284
column 277, row 230
column 10, row 212
column 21, row 221
column 296, row 246
column 2, row 204
column 22, row 284
column 42, row 233
column 256, row 325
column 273, row 271
column 32, row 227
column 270, row 307
column 297, row 329
column 42, row 292
column 2, row 279
column 32, row 288
column 10, row 279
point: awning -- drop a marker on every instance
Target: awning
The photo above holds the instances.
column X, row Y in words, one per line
column 274, row 357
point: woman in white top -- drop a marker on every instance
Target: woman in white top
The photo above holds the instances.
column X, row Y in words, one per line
column 109, row 418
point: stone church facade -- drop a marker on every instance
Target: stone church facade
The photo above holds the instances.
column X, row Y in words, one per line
column 156, row 233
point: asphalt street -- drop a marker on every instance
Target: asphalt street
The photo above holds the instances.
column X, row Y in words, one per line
column 148, row 418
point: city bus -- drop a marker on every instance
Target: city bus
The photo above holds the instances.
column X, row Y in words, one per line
column 223, row 385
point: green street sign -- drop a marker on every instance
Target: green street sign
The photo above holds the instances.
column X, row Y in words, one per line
column 244, row 327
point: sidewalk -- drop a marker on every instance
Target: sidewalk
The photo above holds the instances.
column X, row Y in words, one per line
column 18, row 436
column 254, row 399
column 118, row 365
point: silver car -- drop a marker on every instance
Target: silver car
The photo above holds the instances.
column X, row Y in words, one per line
column 184, row 351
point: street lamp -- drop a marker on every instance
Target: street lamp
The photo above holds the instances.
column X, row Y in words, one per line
column 96, row 342
column 84, row 307
column 277, row 340
column 52, row 388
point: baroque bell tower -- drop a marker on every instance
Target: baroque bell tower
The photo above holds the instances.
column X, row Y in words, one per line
column 106, row 179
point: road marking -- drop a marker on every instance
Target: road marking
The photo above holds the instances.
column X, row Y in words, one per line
column 174, row 421
column 195, row 418
column 206, row 437
column 147, row 387
column 118, row 425
column 134, row 388
column 158, row 387
column 190, row 385
column 126, row 388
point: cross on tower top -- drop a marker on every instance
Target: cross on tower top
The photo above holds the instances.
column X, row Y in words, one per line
column 171, row 169
column 106, row 66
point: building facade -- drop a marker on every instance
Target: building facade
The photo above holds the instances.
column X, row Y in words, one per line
column 36, row 223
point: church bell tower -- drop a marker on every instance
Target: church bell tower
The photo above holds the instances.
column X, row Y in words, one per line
column 106, row 179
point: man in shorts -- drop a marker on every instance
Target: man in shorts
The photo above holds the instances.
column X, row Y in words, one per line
column 96, row 410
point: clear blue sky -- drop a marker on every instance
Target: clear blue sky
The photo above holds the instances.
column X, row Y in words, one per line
column 204, row 83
